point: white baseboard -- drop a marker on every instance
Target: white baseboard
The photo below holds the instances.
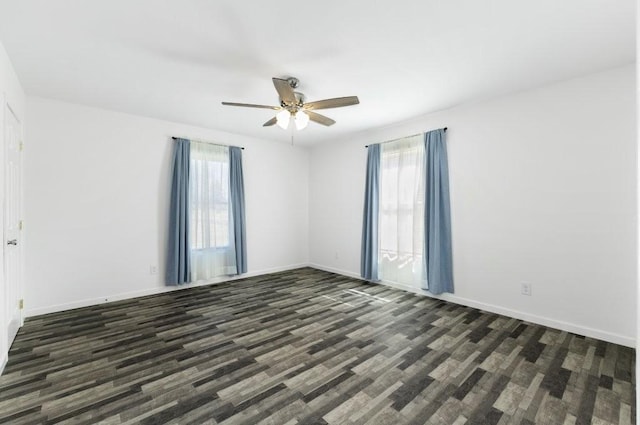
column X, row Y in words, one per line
column 3, row 362
column 540, row 320
column 151, row 291
column 334, row 270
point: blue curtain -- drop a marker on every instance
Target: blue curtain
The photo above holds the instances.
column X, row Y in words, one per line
column 369, row 252
column 437, row 215
column 236, row 192
column 178, row 263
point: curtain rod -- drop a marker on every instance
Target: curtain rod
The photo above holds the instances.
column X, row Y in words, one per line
column 366, row 146
column 203, row 141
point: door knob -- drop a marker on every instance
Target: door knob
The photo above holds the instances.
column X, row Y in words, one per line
column 12, row 242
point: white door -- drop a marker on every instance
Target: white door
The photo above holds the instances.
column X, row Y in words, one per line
column 12, row 163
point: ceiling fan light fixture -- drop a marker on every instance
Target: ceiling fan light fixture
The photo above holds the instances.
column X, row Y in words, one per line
column 302, row 119
column 283, row 118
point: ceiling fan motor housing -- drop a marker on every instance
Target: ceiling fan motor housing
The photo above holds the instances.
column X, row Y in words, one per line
column 294, row 107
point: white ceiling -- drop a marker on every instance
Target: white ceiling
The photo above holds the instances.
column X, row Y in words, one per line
column 177, row 60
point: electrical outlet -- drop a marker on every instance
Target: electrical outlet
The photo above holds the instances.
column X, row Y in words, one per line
column 153, row 269
column 526, row 288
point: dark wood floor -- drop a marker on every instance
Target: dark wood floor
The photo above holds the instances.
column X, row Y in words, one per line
column 308, row 347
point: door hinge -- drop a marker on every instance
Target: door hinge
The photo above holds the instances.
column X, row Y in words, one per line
column 21, row 303
column 20, row 225
column 21, row 146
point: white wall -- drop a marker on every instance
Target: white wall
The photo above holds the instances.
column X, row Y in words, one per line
column 12, row 93
column 97, row 191
column 543, row 190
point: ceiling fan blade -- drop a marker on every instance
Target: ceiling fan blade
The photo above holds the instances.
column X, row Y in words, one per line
column 336, row 102
column 285, row 91
column 271, row 122
column 251, row 105
column 320, row 119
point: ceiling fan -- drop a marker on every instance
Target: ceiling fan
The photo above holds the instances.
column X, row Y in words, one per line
column 293, row 105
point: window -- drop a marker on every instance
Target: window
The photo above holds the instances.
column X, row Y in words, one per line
column 401, row 219
column 210, row 221
column 209, row 196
